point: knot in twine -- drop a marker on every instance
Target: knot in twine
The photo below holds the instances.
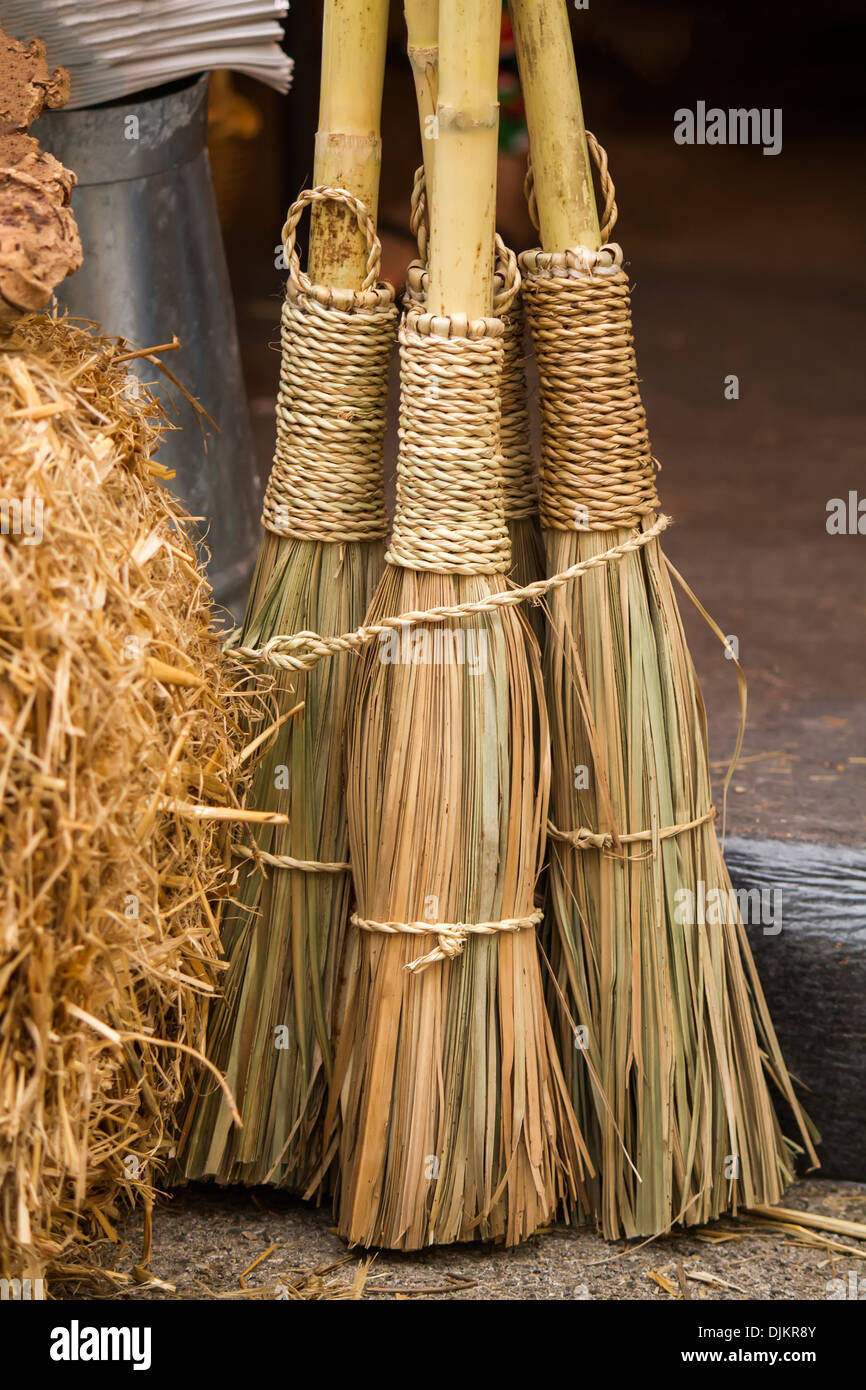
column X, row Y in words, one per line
column 451, row 937
column 585, row 839
column 326, row 482
column 598, row 472
column 450, row 514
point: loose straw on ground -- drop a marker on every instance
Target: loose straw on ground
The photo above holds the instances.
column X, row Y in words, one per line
column 321, row 557
column 667, row 1006
column 456, row 1125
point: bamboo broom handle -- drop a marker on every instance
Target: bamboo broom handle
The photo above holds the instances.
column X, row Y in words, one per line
column 348, row 143
column 463, row 213
column 422, row 45
column 557, row 136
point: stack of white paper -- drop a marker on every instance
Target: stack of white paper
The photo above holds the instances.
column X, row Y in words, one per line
column 115, row 47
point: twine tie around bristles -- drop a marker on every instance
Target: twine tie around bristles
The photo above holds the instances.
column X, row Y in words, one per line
column 450, row 515
column 288, row 861
column 326, row 482
column 585, row 839
column 302, row 651
column 451, row 937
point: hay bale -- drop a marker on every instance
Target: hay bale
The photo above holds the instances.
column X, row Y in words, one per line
column 119, row 727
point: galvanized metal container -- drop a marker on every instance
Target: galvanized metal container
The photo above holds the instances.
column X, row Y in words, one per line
column 154, row 267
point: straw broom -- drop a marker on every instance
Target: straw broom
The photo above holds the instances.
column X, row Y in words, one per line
column 456, row 1125
column 321, row 557
column 670, row 1008
column 519, row 481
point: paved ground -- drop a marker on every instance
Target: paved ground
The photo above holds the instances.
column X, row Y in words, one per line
column 204, row 1239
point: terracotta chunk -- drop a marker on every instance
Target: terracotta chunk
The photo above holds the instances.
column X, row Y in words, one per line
column 39, row 242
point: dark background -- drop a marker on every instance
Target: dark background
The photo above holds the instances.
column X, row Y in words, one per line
column 743, row 264
column 639, row 61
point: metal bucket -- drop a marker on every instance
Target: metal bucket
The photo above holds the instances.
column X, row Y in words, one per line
column 154, row 267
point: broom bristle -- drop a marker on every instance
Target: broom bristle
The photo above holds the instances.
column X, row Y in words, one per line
column 676, row 1027
column 321, row 556
column 284, row 937
column 527, row 561
column 456, row 1121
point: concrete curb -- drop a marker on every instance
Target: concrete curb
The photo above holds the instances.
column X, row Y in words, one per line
column 814, row 976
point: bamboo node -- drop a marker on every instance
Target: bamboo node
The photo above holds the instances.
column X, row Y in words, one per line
column 451, row 937
column 485, row 117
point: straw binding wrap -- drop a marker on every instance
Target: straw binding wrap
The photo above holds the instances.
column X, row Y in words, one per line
column 518, row 481
column 326, row 481
column 598, row 472
column 450, row 508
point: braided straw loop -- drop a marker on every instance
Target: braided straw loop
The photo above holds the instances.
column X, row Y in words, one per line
column 326, row 481
column 609, row 210
column 450, row 515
